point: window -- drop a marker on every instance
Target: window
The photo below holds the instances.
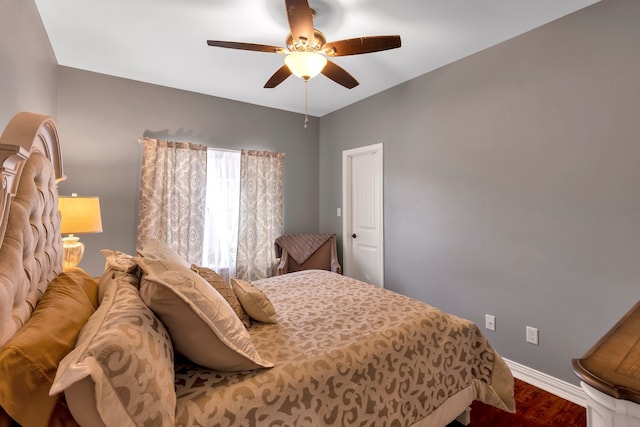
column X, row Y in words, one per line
column 222, row 211
column 247, row 252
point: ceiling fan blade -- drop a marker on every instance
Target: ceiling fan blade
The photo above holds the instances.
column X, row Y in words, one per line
column 300, row 17
column 339, row 75
column 246, row 46
column 278, row 77
column 361, row 45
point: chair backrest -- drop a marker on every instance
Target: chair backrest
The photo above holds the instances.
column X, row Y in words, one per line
column 321, row 259
column 307, row 252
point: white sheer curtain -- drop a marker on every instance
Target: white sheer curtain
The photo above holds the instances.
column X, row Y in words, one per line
column 261, row 219
column 172, row 195
column 222, row 210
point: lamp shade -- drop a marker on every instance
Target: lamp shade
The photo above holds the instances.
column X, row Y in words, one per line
column 79, row 215
column 305, row 65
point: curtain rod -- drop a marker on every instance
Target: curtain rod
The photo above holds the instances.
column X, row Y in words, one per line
column 229, row 150
column 143, row 138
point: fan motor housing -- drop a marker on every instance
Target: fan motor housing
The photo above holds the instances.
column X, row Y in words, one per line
column 303, row 45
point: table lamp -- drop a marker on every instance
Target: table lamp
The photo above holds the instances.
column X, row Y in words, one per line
column 79, row 215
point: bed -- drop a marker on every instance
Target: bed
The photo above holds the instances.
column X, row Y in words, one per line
column 158, row 341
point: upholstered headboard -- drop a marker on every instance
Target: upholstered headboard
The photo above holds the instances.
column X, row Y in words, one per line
column 30, row 241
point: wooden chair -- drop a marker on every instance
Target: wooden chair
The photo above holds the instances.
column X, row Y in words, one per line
column 307, row 251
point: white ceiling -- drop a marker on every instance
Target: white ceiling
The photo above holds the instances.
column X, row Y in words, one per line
column 164, row 41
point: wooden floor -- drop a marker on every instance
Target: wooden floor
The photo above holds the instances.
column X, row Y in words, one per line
column 535, row 408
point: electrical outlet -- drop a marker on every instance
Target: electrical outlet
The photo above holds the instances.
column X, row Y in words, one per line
column 532, row 335
column 490, row 322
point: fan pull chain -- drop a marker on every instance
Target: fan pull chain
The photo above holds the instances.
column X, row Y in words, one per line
column 306, row 102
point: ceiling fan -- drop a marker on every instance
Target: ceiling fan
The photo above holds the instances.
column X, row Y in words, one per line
column 307, row 48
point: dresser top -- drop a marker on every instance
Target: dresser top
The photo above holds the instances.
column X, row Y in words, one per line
column 612, row 365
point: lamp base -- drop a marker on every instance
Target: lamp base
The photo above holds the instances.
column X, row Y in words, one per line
column 72, row 252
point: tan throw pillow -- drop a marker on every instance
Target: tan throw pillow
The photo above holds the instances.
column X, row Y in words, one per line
column 254, row 301
column 121, row 371
column 155, row 249
column 28, row 361
column 202, row 325
column 119, row 261
column 220, row 285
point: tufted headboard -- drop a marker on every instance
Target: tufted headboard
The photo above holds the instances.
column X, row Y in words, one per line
column 30, row 241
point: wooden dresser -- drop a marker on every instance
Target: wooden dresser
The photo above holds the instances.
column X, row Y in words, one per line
column 610, row 375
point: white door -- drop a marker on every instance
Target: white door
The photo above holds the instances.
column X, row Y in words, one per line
column 362, row 223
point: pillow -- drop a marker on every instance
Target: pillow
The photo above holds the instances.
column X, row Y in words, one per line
column 220, row 285
column 202, row 324
column 61, row 416
column 254, row 301
column 119, row 261
column 155, row 249
column 121, row 370
column 5, row 419
column 28, row 361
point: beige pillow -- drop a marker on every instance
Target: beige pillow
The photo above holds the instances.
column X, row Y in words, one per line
column 28, row 361
column 155, row 249
column 220, row 285
column 121, row 370
column 202, row 324
column 119, row 261
column 254, row 301
column 116, row 261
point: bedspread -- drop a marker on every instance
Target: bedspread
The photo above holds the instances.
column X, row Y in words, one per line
column 345, row 353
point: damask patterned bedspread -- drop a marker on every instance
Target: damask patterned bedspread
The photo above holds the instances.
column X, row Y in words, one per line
column 345, row 353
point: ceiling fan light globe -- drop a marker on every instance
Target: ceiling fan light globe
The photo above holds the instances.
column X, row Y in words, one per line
column 305, row 65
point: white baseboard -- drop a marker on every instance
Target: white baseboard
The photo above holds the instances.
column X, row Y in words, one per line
column 546, row 382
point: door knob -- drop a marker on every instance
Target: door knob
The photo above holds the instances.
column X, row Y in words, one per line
column 354, row 235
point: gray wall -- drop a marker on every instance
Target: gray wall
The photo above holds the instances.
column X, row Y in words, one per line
column 511, row 178
column 100, row 119
column 28, row 68
column 512, row 184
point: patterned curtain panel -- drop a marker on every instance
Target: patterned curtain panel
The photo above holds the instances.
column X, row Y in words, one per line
column 172, row 196
column 260, row 213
